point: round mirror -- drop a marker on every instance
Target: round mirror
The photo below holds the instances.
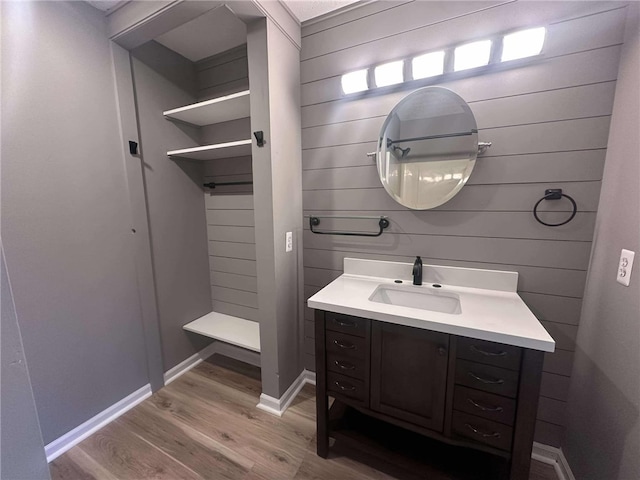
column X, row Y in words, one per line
column 427, row 149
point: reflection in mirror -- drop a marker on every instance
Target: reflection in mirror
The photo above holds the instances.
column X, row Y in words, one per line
column 427, row 148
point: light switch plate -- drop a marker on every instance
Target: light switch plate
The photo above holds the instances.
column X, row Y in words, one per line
column 288, row 242
column 624, row 267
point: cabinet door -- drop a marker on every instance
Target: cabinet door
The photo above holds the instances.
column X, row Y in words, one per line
column 409, row 373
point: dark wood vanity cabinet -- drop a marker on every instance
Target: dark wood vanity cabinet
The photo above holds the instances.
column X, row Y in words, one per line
column 409, row 374
column 461, row 391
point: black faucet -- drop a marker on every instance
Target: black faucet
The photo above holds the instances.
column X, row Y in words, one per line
column 417, row 271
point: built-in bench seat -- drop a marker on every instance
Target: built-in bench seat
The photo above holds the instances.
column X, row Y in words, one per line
column 226, row 328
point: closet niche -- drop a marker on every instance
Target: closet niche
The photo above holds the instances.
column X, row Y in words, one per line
column 225, row 153
column 196, row 114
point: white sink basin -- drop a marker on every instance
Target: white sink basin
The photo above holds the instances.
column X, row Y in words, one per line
column 423, row 298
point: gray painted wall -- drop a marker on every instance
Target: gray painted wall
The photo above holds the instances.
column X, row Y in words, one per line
column 22, row 451
column 231, row 238
column 286, row 184
column 548, row 120
column 603, row 429
column 68, row 244
column 274, row 66
column 177, row 223
column 134, row 171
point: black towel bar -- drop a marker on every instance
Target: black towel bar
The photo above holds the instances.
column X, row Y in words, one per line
column 314, row 221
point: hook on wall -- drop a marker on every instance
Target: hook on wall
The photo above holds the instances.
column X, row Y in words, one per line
column 133, row 147
column 259, row 138
column 555, row 194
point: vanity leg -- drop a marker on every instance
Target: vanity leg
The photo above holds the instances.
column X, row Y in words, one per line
column 528, row 392
column 322, row 427
column 322, row 401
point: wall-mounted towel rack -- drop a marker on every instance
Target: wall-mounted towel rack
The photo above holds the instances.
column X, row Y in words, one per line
column 555, row 194
column 222, row 184
column 314, row 221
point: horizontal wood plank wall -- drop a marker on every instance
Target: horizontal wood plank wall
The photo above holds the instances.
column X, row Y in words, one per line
column 548, row 120
column 223, row 74
column 232, row 249
column 230, row 225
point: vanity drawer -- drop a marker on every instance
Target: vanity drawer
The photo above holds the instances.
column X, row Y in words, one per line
column 345, row 345
column 346, row 324
column 482, row 430
column 351, row 367
column 487, row 378
column 485, row 405
column 346, row 386
column 490, row 353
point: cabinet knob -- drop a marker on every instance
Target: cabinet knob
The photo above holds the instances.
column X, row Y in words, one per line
column 442, row 351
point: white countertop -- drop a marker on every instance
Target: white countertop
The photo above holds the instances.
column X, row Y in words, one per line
column 496, row 314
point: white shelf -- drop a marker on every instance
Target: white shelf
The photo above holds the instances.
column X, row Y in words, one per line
column 240, row 148
column 218, row 110
column 233, row 330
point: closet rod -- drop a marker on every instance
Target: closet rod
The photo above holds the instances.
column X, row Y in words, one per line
column 219, row 184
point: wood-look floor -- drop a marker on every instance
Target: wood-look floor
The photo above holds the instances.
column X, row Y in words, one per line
column 205, row 425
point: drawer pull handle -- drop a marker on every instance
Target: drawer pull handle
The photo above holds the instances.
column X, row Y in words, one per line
column 501, row 353
column 485, row 408
column 349, row 388
column 344, row 366
column 345, row 323
column 488, row 381
column 349, row 346
column 481, row 433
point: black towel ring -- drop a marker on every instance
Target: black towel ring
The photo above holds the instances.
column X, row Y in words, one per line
column 555, row 194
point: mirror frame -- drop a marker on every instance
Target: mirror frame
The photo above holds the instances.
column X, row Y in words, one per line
column 383, row 150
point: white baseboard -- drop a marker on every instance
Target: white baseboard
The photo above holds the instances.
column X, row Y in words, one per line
column 565, row 470
column 70, row 439
column 186, row 365
column 277, row 406
column 555, row 457
column 310, row 377
column 231, row 351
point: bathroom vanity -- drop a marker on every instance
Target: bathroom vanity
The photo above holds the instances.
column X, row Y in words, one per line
column 446, row 359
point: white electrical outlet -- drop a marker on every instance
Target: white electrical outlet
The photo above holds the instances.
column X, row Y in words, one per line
column 288, row 242
column 624, row 267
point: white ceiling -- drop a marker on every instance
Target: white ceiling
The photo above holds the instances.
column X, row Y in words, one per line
column 308, row 9
column 214, row 32
column 104, row 5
